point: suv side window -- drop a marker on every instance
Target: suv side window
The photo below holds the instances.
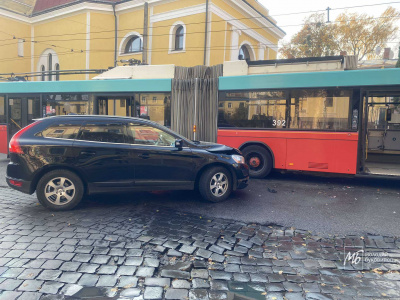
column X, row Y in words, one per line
column 142, row 134
column 61, row 131
column 106, row 132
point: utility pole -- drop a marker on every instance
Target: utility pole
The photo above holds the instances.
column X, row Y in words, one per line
column 115, row 35
column 328, row 10
column 398, row 60
column 145, row 32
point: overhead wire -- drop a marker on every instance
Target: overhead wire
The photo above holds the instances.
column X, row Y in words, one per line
column 187, row 33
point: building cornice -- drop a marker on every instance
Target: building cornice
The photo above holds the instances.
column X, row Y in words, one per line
column 259, row 18
column 243, row 27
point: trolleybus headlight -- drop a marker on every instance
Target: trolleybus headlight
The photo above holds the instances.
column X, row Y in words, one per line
column 238, row 159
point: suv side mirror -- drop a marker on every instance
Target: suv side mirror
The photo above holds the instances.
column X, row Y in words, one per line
column 178, row 144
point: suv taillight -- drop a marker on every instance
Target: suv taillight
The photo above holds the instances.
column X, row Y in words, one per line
column 14, row 146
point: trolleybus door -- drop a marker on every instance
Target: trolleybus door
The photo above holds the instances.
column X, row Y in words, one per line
column 381, row 132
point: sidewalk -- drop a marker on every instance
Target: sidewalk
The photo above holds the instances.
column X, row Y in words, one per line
column 3, row 169
column 151, row 252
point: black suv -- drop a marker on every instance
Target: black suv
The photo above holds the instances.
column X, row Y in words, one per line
column 62, row 158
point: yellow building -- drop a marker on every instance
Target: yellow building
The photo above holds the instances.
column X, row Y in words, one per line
column 43, row 35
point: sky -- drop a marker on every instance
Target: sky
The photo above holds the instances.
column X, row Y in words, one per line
column 291, row 24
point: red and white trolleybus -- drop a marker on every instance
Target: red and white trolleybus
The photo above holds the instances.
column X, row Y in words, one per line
column 345, row 122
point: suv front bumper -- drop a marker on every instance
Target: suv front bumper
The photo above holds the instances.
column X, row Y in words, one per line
column 242, row 175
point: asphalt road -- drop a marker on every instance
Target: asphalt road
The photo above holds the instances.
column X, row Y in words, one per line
column 322, row 205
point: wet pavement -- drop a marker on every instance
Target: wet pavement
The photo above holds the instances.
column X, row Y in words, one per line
column 124, row 247
column 323, row 204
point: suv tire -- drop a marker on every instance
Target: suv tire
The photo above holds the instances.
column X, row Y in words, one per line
column 60, row 190
column 215, row 184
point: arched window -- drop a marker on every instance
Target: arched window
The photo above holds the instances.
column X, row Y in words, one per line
column 50, row 62
column 134, row 45
column 43, row 69
column 244, row 53
column 179, row 36
column 47, row 63
column 57, row 68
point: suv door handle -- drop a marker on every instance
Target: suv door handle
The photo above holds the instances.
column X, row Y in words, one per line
column 87, row 153
column 144, row 155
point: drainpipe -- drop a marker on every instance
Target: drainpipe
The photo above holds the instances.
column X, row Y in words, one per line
column 205, row 35
column 115, row 36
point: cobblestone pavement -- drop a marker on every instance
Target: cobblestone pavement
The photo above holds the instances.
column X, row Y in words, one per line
column 127, row 251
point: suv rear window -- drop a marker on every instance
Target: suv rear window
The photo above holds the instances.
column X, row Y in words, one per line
column 61, row 131
column 103, row 132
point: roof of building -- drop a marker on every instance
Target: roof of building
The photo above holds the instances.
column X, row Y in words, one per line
column 32, row 7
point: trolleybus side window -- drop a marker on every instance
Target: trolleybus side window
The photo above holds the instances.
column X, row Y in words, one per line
column 253, row 110
column 307, row 109
column 320, row 109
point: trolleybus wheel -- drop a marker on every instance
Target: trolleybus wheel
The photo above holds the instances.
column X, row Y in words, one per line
column 259, row 161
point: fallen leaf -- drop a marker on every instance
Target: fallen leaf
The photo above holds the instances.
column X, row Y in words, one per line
column 377, row 271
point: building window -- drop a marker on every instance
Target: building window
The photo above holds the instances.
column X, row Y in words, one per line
column 179, row 35
column 154, row 99
column 43, row 69
column 57, row 68
column 229, row 105
column 50, row 62
column 244, row 53
column 134, row 45
column 177, row 39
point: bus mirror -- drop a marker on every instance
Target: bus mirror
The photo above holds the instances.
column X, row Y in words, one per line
column 388, row 115
column 178, row 143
